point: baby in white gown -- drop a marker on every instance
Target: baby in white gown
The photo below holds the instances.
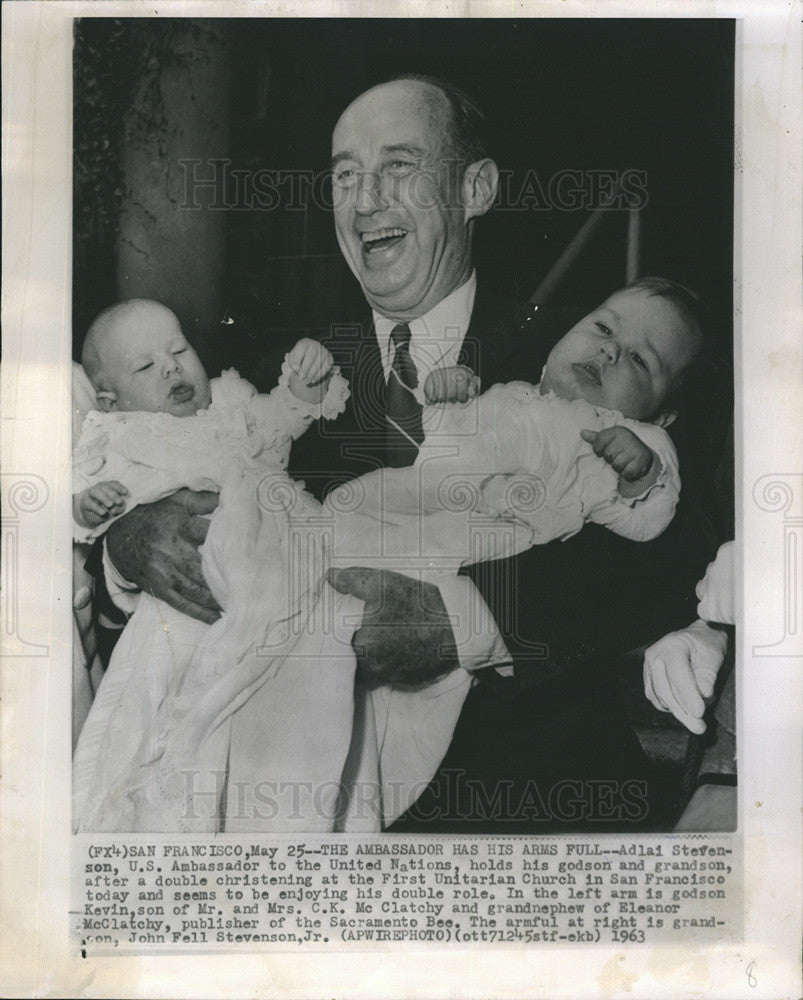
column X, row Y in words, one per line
column 532, row 463
column 164, row 703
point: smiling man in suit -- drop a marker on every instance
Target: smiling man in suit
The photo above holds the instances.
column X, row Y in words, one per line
column 540, row 743
column 410, row 177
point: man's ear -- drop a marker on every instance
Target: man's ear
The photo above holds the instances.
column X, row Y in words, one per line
column 107, row 401
column 665, row 418
column 480, row 184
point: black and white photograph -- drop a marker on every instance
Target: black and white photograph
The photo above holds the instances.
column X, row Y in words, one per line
column 403, row 434
column 400, row 435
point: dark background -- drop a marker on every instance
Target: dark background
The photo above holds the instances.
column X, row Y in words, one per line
column 653, row 95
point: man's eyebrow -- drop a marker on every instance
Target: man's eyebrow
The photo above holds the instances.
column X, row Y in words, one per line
column 398, row 147
column 404, row 147
column 338, row 157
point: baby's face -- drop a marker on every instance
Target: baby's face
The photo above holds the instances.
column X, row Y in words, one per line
column 151, row 366
column 623, row 356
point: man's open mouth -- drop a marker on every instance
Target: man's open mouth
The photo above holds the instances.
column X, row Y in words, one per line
column 182, row 392
column 589, row 371
column 381, row 239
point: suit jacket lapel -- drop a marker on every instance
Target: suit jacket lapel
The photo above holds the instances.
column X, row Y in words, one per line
column 367, row 378
column 512, row 339
column 502, row 334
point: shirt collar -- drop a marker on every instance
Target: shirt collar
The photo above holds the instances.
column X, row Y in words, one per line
column 437, row 336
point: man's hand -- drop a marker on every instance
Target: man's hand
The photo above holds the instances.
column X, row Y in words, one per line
column 637, row 465
column 155, row 546
column 405, row 639
column 680, row 672
column 453, row 384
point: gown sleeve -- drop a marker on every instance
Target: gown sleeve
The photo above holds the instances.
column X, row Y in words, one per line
column 467, row 444
column 645, row 517
column 94, row 461
column 283, row 417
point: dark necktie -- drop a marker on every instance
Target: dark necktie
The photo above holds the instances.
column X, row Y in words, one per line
column 402, row 409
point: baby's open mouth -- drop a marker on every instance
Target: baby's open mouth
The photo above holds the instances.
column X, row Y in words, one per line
column 381, row 239
column 590, row 371
column 182, row 392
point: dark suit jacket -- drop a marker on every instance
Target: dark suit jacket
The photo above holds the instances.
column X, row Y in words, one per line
column 557, row 605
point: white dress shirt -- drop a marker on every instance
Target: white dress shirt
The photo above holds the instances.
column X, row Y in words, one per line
column 435, row 338
column 435, row 342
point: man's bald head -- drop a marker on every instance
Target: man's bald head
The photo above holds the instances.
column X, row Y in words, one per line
column 458, row 116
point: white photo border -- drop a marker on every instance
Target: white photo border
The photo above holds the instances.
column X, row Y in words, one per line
column 35, row 680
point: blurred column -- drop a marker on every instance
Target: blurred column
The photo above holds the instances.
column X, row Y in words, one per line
column 172, row 243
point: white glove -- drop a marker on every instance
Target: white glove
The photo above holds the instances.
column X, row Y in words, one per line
column 680, row 672
column 715, row 590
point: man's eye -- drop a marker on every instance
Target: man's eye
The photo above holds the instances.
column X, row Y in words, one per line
column 603, row 329
column 345, row 176
column 144, row 368
column 637, row 358
column 400, row 166
column 180, row 350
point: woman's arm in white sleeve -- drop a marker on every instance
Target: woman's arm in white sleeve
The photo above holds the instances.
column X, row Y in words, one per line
column 646, row 516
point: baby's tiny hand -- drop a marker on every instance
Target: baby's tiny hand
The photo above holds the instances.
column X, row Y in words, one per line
column 623, row 451
column 311, row 361
column 98, row 503
column 454, row 384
